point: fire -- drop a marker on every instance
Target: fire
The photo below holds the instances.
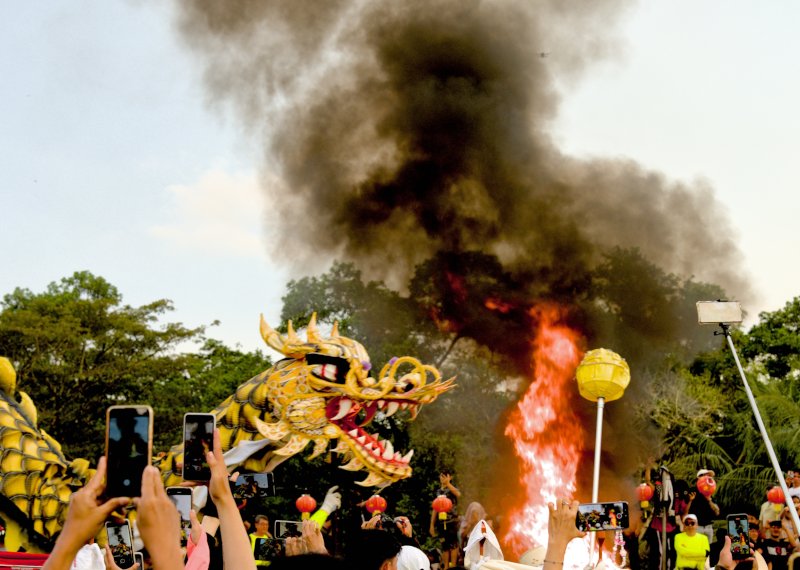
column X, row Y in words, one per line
column 548, row 435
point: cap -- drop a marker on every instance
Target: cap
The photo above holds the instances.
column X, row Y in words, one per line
column 705, row 472
column 690, row 517
column 775, row 523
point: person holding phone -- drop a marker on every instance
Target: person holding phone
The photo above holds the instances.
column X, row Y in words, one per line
column 262, row 543
column 691, row 546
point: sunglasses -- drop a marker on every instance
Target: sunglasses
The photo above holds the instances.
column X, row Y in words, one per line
column 690, row 523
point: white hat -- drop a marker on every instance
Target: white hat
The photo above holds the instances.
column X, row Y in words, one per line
column 412, row 558
column 690, row 516
column 89, row 557
column 705, row 472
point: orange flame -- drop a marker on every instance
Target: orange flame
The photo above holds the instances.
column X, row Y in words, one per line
column 547, row 433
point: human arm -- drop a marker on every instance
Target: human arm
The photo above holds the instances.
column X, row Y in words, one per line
column 197, row 550
column 712, row 504
column 332, row 501
column 85, row 517
column 561, row 530
column 788, row 528
column 432, row 529
column 237, row 553
column 159, row 522
column 446, row 482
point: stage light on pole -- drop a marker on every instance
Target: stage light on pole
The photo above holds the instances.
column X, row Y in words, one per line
column 725, row 314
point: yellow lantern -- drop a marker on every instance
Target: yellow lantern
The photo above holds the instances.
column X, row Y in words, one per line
column 602, row 374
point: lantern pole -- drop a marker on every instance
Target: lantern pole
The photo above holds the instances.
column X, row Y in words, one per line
column 598, row 439
column 602, row 376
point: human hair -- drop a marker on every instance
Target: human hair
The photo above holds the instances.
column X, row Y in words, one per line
column 474, row 513
column 260, row 518
column 371, row 548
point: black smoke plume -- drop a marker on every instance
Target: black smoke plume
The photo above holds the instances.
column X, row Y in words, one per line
column 415, row 134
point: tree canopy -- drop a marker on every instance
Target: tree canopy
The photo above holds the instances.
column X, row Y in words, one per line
column 78, row 349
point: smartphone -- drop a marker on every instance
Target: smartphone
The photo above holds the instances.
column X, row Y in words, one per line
column 267, row 549
column 129, row 449
column 120, row 543
column 738, row 528
column 251, row 485
column 594, row 517
column 138, row 557
column 182, row 498
column 198, row 440
column 288, row 529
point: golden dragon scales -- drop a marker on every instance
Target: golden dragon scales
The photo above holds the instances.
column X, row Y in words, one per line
column 322, row 390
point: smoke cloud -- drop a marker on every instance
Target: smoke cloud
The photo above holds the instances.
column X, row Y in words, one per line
column 404, row 129
column 418, row 131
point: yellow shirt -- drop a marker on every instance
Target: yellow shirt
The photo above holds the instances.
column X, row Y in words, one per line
column 692, row 550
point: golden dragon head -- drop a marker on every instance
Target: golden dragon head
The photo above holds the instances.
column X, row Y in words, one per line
column 323, row 390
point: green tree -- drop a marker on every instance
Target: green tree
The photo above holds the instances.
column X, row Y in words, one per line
column 78, row 349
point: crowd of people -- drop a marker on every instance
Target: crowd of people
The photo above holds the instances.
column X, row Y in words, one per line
column 676, row 535
column 382, row 543
column 681, row 528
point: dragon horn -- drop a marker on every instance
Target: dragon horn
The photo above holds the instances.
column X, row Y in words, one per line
column 291, row 336
column 335, row 331
column 271, row 337
column 312, row 334
column 8, row 376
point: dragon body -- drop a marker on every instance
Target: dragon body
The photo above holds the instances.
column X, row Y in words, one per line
column 322, row 390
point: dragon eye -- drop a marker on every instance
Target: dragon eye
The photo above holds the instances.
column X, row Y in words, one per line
column 330, row 368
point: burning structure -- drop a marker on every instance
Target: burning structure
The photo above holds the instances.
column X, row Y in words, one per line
column 412, row 138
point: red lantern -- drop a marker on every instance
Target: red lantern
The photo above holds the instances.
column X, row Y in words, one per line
column 376, row 505
column 442, row 505
column 305, row 504
column 775, row 495
column 706, row 485
column 645, row 493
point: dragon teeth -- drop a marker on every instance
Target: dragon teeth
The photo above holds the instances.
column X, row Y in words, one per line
column 344, row 408
column 397, row 456
column 362, row 440
column 407, row 457
column 388, row 450
column 404, row 406
column 391, row 408
column 353, row 433
column 381, row 404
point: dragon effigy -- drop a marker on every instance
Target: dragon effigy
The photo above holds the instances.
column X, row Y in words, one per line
column 322, row 390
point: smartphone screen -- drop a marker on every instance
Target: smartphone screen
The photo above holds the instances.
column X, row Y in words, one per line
column 594, row 517
column 138, row 557
column 198, row 439
column 740, row 542
column 129, row 446
column 288, row 529
column 119, row 540
column 182, row 498
column 251, row 485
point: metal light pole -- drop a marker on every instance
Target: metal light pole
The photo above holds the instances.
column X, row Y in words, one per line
column 724, row 314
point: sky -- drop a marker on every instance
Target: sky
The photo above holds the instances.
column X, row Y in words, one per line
column 114, row 160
